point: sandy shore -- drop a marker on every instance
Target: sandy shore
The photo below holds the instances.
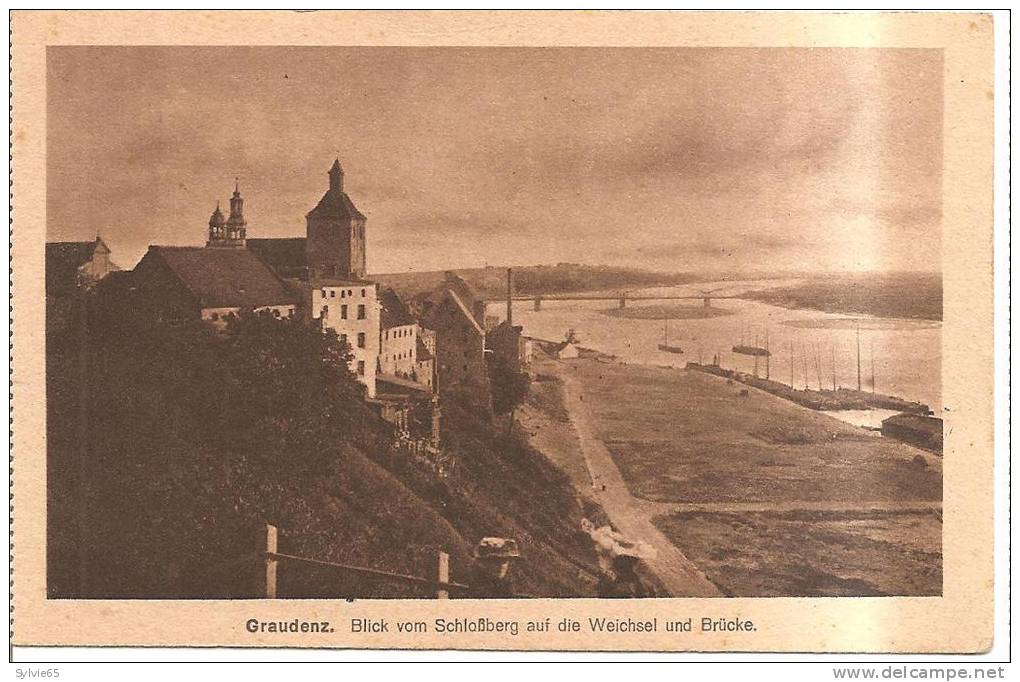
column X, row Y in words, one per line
column 740, row 495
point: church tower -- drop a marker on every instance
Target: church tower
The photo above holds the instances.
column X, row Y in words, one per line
column 230, row 233
column 335, row 230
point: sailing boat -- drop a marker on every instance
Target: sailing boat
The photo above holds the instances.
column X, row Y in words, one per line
column 754, row 350
column 664, row 346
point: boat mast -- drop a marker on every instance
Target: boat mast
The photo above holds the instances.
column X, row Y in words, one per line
column 755, row 356
column 803, row 352
column 791, row 364
column 858, row 356
column 833, row 348
column 872, row 366
column 767, row 354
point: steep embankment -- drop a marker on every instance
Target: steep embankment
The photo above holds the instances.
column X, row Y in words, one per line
column 190, row 442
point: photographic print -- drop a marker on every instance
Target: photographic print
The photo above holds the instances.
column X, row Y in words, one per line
column 429, row 324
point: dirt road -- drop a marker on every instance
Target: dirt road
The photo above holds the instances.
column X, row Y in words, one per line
column 629, row 514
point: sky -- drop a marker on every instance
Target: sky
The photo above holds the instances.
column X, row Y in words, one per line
column 665, row 158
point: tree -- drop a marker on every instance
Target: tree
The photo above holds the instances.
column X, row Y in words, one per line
column 509, row 386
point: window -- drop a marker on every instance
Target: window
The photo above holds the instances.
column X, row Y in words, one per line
column 363, row 293
column 387, row 334
column 343, row 312
column 361, row 312
column 276, row 312
column 343, row 293
column 325, row 311
column 323, row 292
column 361, row 339
column 332, row 293
column 215, row 316
column 290, row 312
column 361, row 368
column 343, row 339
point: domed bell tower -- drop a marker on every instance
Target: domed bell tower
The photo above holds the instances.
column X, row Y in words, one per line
column 232, row 232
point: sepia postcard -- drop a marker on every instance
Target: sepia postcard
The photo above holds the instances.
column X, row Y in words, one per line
column 604, row 331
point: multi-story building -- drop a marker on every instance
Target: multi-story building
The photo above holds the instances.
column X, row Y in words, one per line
column 455, row 313
column 398, row 337
column 350, row 307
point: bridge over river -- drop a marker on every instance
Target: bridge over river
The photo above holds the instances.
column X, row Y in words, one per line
column 622, row 298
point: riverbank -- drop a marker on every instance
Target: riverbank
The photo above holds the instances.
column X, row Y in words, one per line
column 906, row 295
column 839, row 399
column 762, row 496
column 667, row 312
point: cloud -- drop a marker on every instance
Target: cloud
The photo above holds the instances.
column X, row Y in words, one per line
column 674, row 157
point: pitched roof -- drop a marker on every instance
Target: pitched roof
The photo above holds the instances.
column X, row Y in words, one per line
column 63, row 260
column 336, row 204
column 464, row 309
column 458, row 284
column 453, row 284
column 224, row 278
column 280, row 252
column 394, row 312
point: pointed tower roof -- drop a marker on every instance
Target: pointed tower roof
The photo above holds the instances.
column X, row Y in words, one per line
column 217, row 216
column 335, row 203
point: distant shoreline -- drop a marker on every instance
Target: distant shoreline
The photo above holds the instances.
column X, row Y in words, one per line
column 906, row 296
column 666, row 311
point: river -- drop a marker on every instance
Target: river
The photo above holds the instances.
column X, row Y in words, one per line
column 807, row 346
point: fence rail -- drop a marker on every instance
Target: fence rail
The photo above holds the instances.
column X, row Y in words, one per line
column 441, row 583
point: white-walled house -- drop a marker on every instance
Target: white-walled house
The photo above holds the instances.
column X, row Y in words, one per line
column 350, row 307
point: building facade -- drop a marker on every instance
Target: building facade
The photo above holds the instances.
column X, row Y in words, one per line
column 398, row 337
column 459, row 340
column 351, row 309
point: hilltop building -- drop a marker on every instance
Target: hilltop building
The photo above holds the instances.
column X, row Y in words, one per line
column 334, row 242
column 350, row 307
column 456, row 314
column 399, row 337
column 328, row 266
column 71, row 266
column 211, row 283
column 319, row 277
column 229, row 233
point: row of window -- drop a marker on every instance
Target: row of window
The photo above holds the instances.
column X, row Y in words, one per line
column 232, row 315
column 344, row 293
column 361, row 339
column 399, row 333
column 343, row 311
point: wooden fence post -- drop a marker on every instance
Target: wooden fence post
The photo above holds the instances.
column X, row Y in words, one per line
column 271, row 562
column 443, row 575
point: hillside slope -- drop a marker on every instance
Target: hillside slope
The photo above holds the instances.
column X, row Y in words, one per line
column 188, row 443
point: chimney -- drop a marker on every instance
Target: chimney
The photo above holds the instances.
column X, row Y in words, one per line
column 509, row 297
